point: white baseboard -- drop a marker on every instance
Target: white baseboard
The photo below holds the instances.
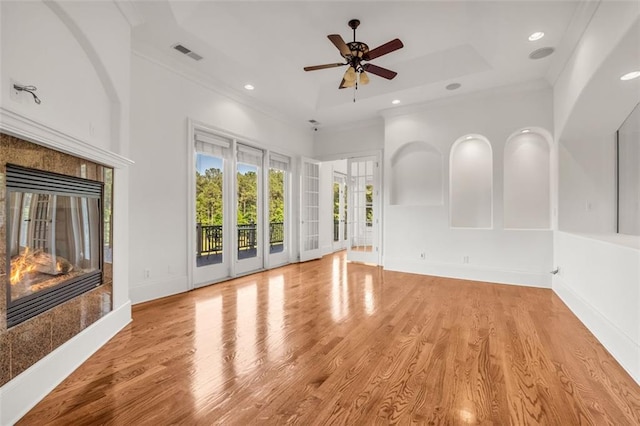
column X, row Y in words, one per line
column 156, row 289
column 27, row 389
column 469, row 272
column 326, row 249
column 621, row 347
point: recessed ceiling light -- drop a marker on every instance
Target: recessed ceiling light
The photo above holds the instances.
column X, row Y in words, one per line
column 249, row 86
column 453, row 86
column 630, row 75
column 536, row 36
column 395, row 101
column 526, row 131
column 541, row 53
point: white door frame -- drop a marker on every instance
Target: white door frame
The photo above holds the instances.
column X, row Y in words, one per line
column 373, row 256
column 309, row 211
column 341, row 244
column 256, row 263
column 205, row 275
column 283, row 257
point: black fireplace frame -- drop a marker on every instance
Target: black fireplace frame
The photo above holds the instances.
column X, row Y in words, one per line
column 23, row 179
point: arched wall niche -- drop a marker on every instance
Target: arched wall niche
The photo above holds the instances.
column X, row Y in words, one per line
column 527, row 180
column 417, row 175
column 471, row 182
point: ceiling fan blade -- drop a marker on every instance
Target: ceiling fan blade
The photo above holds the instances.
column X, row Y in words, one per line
column 321, row 67
column 379, row 71
column 338, row 42
column 389, row 47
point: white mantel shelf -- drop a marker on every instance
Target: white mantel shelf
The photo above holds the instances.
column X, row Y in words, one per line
column 18, row 125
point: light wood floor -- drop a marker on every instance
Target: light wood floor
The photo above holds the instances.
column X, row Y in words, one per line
column 327, row 342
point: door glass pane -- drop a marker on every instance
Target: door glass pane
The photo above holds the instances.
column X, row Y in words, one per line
column 209, row 209
column 345, row 221
column 247, row 181
column 310, row 209
column 336, row 211
column 362, row 199
column 276, row 210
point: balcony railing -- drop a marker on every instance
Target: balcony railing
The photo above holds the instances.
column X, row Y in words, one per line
column 210, row 237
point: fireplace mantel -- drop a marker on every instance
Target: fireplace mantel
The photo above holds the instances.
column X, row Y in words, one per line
column 94, row 317
column 20, row 126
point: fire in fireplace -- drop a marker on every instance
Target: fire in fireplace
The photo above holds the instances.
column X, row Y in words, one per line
column 54, row 240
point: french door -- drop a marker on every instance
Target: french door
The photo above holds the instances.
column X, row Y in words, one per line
column 241, row 208
column 212, row 163
column 339, row 211
column 364, row 210
column 278, row 187
column 249, row 223
column 310, row 210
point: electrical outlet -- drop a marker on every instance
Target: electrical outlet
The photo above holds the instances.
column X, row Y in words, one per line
column 465, row 259
column 147, row 274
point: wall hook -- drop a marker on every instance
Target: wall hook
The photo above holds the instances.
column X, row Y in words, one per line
column 28, row 89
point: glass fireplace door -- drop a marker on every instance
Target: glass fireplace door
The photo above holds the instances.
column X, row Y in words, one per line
column 54, row 240
column 57, row 238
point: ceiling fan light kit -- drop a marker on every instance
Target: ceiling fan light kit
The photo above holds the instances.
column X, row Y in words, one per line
column 355, row 54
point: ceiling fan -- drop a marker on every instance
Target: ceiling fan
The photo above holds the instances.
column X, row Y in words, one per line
column 355, row 53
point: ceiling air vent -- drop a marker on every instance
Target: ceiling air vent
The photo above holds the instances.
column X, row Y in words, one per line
column 194, row 55
column 184, row 50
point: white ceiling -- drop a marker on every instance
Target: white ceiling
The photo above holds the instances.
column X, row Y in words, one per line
column 480, row 44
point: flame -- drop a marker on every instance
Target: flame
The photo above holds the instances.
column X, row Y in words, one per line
column 20, row 266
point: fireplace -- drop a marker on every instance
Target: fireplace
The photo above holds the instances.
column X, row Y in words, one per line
column 54, row 240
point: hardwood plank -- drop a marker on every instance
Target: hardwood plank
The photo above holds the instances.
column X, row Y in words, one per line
column 328, row 342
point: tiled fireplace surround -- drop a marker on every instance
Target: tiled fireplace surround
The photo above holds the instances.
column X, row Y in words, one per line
column 25, row 344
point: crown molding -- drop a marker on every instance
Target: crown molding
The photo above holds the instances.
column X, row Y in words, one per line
column 355, row 125
column 513, row 89
column 579, row 23
column 129, row 10
column 216, row 86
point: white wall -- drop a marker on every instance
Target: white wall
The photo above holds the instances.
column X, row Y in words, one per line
column 77, row 55
column 608, row 26
column 340, row 143
column 599, row 277
column 162, row 101
column 416, row 175
column 629, row 174
column 73, row 97
column 600, row 282
column 498, row 255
